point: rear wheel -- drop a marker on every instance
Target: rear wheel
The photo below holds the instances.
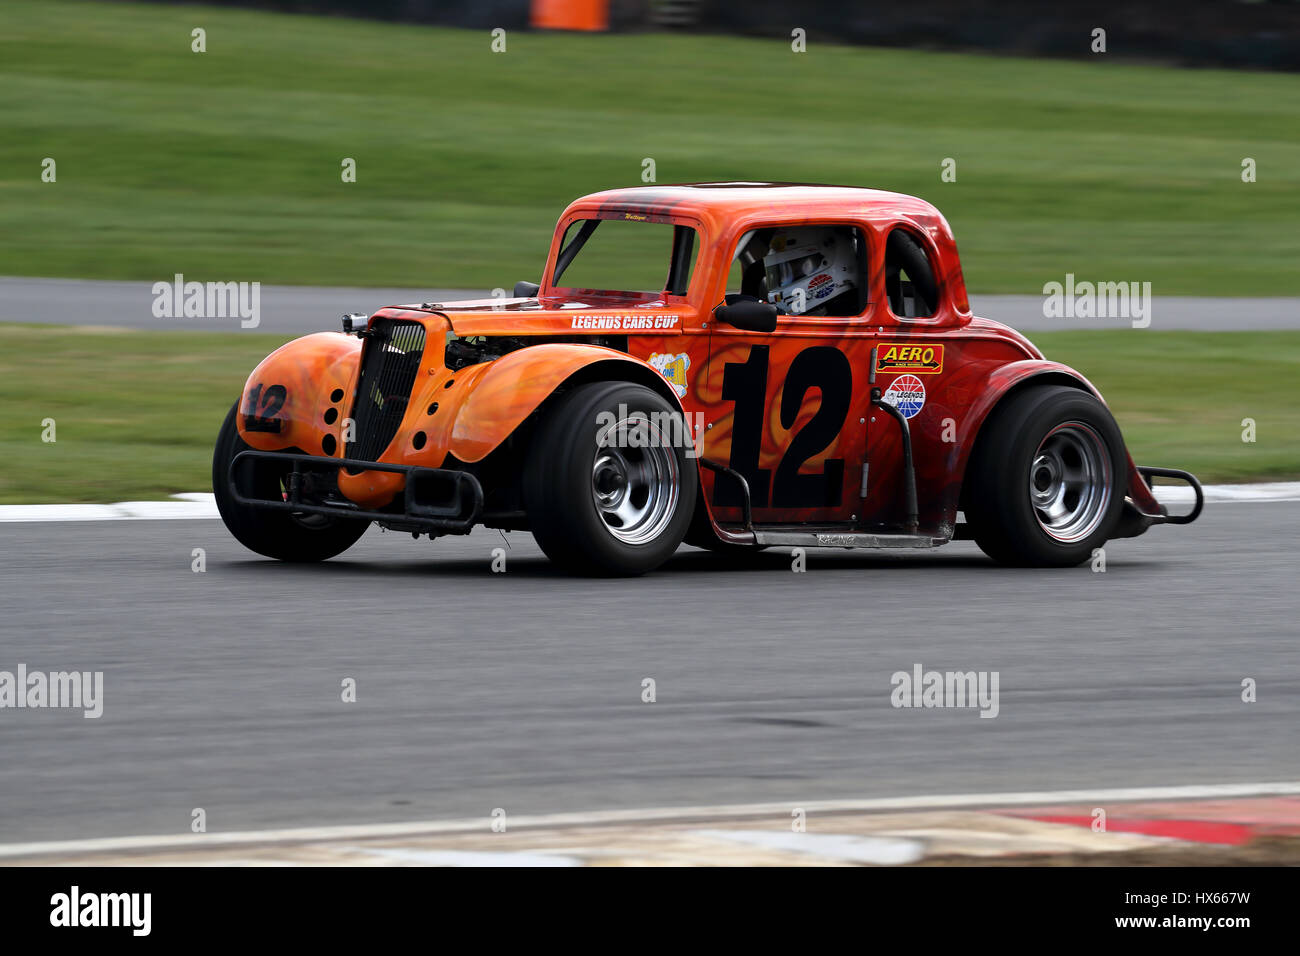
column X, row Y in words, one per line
column 1046, row 482
column 608, row 487
column 285, row 535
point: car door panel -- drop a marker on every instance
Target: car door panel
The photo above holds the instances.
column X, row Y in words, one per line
column 786, row 412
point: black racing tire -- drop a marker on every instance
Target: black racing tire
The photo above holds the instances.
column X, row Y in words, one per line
column 614, row 510
column 1046, row 482
column 275, row 534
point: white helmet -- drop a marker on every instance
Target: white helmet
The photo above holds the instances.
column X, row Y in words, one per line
column 807, row 266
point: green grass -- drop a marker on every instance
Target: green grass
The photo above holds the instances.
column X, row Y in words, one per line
column 137, row 412
column 1180, row 397
column 225, row 165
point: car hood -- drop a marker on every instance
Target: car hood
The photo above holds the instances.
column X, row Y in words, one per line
column 561, row 315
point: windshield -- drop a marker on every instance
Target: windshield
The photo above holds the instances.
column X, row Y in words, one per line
column 626, row 255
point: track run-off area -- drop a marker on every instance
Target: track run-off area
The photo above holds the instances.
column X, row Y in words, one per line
column 522, row 690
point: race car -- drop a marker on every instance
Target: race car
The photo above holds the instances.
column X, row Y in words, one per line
column 733, row 365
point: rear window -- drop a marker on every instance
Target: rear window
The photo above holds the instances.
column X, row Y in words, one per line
column 624, row 255
column 910, row 282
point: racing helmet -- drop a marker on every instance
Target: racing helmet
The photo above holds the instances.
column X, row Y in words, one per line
column 808, row 266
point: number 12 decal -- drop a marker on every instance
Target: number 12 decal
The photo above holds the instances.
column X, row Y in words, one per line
column 270, row 401
column 262, row 406
column 745, row 383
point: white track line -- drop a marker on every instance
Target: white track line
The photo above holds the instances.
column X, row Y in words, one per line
column 663, row 815
column 194, row 505
column 190, row 505
column 1222, row 494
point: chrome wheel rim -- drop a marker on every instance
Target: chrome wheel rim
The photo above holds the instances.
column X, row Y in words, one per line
column 1070, row 481
column 635, row 481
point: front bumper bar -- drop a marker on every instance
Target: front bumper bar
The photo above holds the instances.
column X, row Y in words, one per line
column 436, row 499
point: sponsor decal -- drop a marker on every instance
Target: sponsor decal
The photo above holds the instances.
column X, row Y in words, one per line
column 907, row 394
column 637, row 217
column 821, row 285
column 673, row 368
column 626, row 321
column 918, row 359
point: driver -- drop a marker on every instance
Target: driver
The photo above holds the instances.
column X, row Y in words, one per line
column 812, row 270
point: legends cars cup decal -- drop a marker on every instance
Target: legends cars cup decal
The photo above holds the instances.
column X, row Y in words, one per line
column 907, row 394
column 626, row 322
column 917, row 359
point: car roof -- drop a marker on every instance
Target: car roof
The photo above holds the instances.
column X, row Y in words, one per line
column 729, row 200
column 722, row 207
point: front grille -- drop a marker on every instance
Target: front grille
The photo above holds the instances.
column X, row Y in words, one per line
column 389, row 364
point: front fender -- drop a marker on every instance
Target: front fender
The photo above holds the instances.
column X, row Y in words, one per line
column 286, row 399
column 505, row 392
column 466, row 413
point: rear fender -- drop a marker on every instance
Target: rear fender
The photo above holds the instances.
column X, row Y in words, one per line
column 1005, row 380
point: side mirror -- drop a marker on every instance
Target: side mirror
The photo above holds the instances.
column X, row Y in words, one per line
column 526, row 290
column 748, row 314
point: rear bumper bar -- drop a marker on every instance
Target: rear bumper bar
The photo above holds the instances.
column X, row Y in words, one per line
column 436, row 499
column 1150, row 471
column 1134, row 521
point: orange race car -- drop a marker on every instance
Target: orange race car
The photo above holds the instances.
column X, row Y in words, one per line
column 730, row 364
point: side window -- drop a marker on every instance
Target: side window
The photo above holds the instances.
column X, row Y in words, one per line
column 909, row 277
column 802, row 270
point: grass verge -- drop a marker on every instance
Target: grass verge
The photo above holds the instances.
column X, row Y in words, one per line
column 136, row 413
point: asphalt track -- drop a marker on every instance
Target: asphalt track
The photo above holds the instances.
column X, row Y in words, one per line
column 522, row 690
column 294, row 310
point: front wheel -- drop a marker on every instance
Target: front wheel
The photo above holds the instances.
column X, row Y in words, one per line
column 285, row 535
column 608, row 485
column 1046, row 482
